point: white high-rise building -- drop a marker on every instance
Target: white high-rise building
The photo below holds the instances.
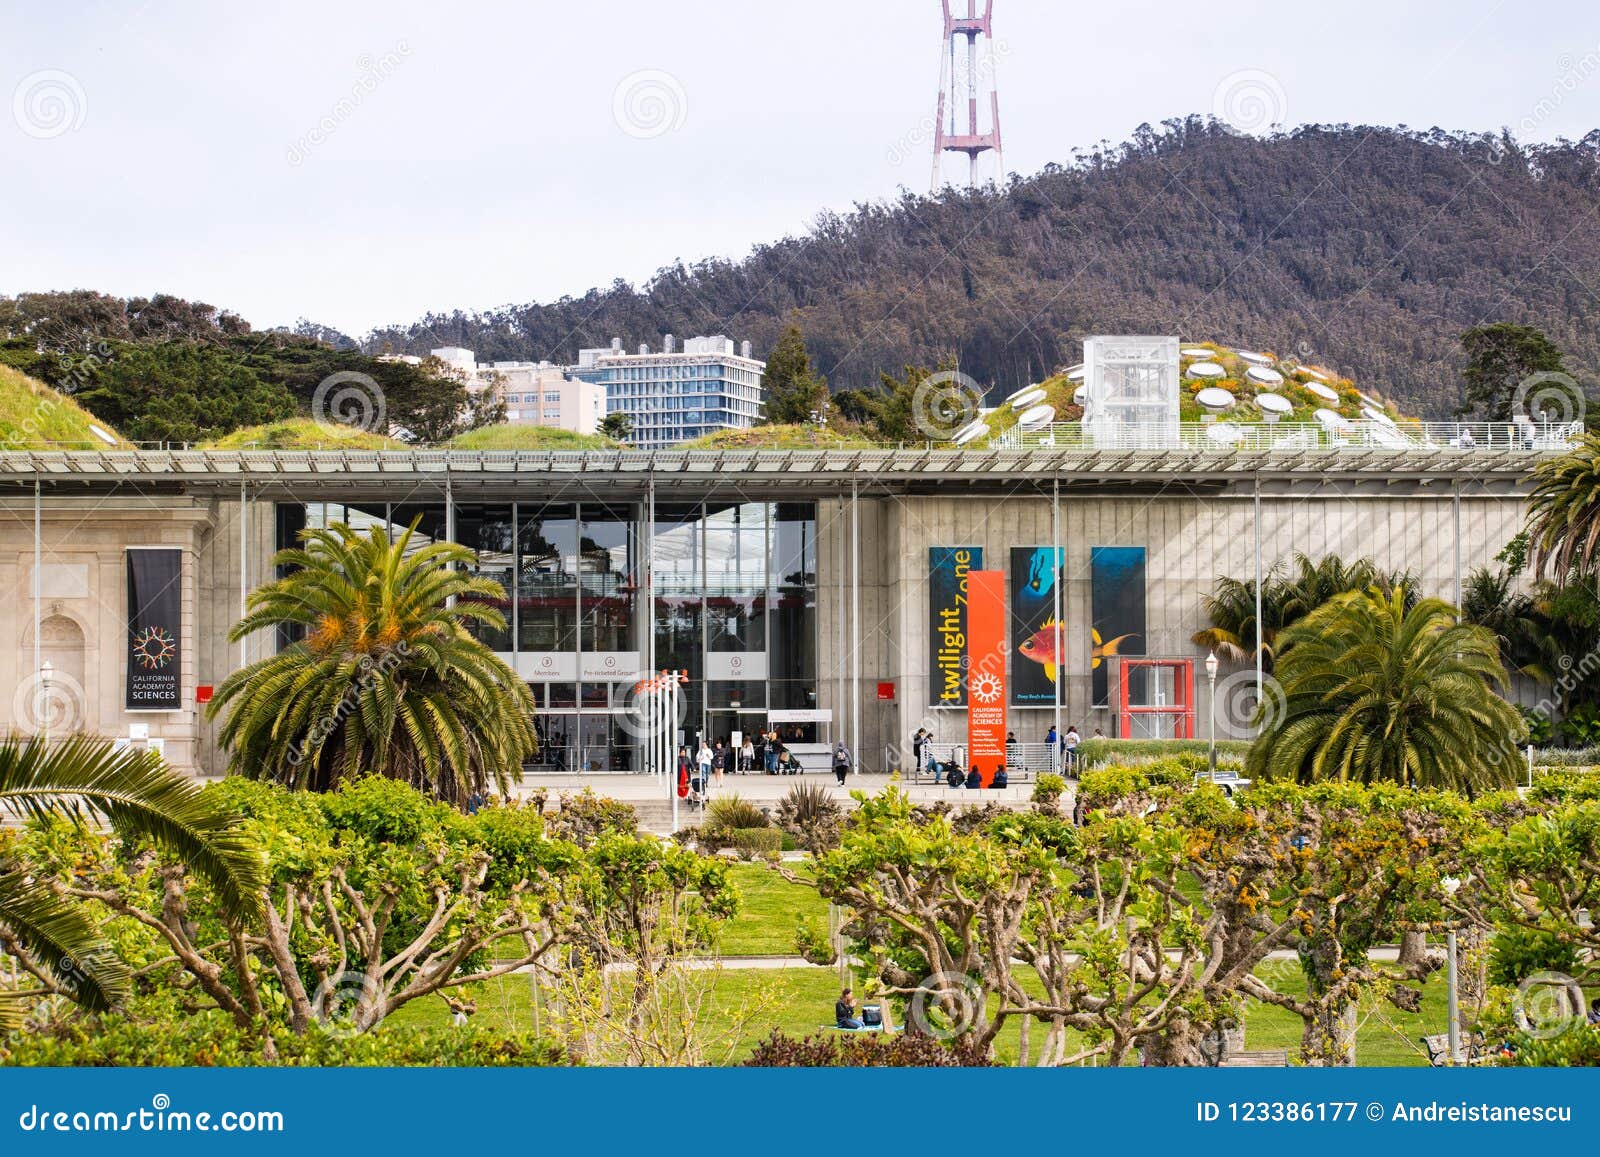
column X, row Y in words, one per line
column 676, row 395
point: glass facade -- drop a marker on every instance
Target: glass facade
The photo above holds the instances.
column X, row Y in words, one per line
column 735, row 608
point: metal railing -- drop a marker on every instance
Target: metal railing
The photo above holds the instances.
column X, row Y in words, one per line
column 1024, row 761
column 1222, row 436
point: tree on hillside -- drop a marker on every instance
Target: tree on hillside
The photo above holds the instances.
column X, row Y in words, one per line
column 1372, row 691
column 1499, row 358
column 178, row 391
column 794, row 390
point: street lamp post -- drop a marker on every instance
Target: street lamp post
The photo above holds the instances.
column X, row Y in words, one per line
column 47, row 672
column 1452, row 980
column 1211, row 698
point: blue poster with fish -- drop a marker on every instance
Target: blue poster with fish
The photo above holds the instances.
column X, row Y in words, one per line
column 1037, row 637
column 948, row 567
column 1116, row 611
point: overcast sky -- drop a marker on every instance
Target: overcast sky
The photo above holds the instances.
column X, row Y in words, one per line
column 363, row 163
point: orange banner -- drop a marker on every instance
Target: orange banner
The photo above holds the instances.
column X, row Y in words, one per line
column 986, row 671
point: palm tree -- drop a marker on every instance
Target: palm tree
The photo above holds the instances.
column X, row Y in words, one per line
column 140, row 797
column 1564, row 510
column 1285, row 599
column 1232, row 610
column 1520, row 622
column 387, row 679
column 1371, row 690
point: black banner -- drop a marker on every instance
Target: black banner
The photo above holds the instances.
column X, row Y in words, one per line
column 1036, row 635
column 948, row 567
column 1116, row 610
column 155, row 608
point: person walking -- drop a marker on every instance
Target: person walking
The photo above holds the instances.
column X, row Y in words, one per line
column 1069, row 748
column 917, row 742
column 747, row 756
column 703, row 759
column 842, row 761
column 771, row 739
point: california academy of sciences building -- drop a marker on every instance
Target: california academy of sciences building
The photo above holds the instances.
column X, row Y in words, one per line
column 755, row 572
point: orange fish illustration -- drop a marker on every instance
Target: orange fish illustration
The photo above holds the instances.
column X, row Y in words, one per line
column 1046, row 646
column 1105, row 649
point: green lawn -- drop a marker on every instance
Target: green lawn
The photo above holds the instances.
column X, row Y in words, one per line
column 800, row 1000
column 748, row 1003
column 769, row 910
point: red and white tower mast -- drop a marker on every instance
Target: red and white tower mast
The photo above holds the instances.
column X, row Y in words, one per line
column 971, row 84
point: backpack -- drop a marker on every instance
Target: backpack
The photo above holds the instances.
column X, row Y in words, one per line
column 954, row 777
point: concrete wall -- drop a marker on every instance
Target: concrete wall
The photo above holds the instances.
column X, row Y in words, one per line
column 1190, row 542
column 83, row 610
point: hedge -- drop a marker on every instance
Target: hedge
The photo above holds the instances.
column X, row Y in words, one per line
column 1096, row 751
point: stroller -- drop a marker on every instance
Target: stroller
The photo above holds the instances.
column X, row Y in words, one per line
column 697, row 793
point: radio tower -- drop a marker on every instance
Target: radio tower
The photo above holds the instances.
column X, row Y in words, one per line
column 953, row 84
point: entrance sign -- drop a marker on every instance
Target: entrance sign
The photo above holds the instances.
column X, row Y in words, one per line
column 730, row 666
column 948, row 568
column 154, row 679
column 609, row 666
column 545, row 666
column 800, row 715
column 986, row 672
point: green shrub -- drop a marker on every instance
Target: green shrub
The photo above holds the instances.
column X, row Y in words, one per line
column 756, row 843
column 211, row 1041
column 1098, row 751
column 1566, row 757
column 1049, row 788
column 1518, row 953
column 812, row 943
column 812, row 816
column 731, row 814
column 1566, row 786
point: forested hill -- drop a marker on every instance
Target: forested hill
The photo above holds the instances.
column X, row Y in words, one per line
column 1368, row 250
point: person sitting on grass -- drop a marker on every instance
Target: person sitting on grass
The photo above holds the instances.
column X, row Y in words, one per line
column 844, row 1012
